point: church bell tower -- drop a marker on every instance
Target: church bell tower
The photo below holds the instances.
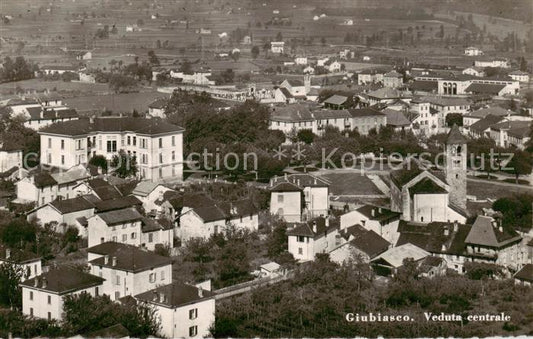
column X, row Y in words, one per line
column 455, row 168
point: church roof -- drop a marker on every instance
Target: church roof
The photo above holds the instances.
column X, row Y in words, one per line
column 455, row 136
column 484, row 233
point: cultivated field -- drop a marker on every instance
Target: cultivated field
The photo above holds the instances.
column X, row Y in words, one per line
column 351, row 184
column 117, row 103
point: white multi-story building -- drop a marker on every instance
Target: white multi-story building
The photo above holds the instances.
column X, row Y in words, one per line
column 128, row 226
column 185, row 311
column 43, row 296
column 128, row 270
column 156, row 144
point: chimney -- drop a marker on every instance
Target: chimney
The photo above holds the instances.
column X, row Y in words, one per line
column 327, row 221
column 114, row 261
column 36, row 282
column 455, row 226
column 494, row 223
column 161, row 297
column 446, row 231
column 373, row 212
column 500, row 229
column 200, row 292
column 298, row 182
column 380, row 210
column 315, row 230
column 155, row 296
column 315, row 181
column 8, row 253
column 285, row 175
column 106, row 259
column 443, row 248
column 45, row 283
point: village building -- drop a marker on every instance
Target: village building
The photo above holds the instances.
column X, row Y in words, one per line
column 128, row 270
column 309, row 238
column 473, row 51
column 157, row 108
column 28, row 262
column 43, row 296
column 520, row 76
column 381, row 221
column 277, row 47
column 298, row 197
column 359, row 244
column 365, row 119
column 157, row 145
column 388, row 262
column 185, row 311
column 392, row 79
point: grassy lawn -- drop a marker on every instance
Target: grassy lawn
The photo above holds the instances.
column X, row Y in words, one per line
column 489, row 190
column 351, row 184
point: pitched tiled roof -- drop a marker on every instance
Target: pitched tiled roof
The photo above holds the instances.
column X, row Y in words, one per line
column 336, row 100
column 175, row 295
column 433, row 236
column 144, row 188
column 17, row 256
column 396, row 118
column 301, row 180
column 387, row 93
column 485, row 123
column 107, row 192
column 122, row 216
column 63, row 280
column 306, row 228
column 494, row 111
column 484, row 233
column 525, row 274
column 445, row 101
column 426, row 186
column 72, row 205
column 44, row 179
column 152, row 126
column 484, row 88
column 206, row 208
column 380, row 214
column 331, row 114
column 364, row 112
column 366, row 241
column 284, row 187
column 455, row 136
column 396, row 255
column 118, row 203
column 128, row 258
column 291, row 113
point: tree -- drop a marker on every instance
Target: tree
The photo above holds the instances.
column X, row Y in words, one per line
column 235, row 56
column 122, row 83
column 306, row 136
column 523, row 64
column 18, row 232
column 520, row 164
column 152, row 57
column 100, row 162
column 255, row 52
column 186, row 67
column 279, row 37
column 124, row 165
column 454, row 119
column 10, row 291
column 323, row 41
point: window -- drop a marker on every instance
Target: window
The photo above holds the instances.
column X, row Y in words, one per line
column 193, row 331
column 160, row 142
column 31, row 311
column 300, row 251
column 162, row 275
column 114, row 238
column 134, row 141
column 173, row 141
column 62, row 144
column 124, row 237
column 193, row 314
column 117, row 295
column 160, row 158
column 31, row 295
column 150, row 237
column 62, row 160
column 49, row 142
column 152, row 277
column 49, row 155
column 129, row 140
column 117, row 281
column 111, row 146
column 280, row 198
column 49, row 316
column 133, row 235
column 301, row 238
column 173, row 155
column 49, row 299
column 124, row 225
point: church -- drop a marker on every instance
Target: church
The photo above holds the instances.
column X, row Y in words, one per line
column 424, row 195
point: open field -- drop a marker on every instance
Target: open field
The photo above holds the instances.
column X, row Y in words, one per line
column 351, row 184
column 486, row 189
column 54, row 86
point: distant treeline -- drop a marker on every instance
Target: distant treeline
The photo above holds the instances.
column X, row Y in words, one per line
column 373, row 13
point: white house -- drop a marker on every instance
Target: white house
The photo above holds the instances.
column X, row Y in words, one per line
column 300, row 60
column 334, row 67
column 358, row 243
column 299, row 196
column 382, row 221
column 157, row 108
column 390, row 261
column 128, row 226
column 156, row 144
column 29, row 262
column 474, row 71
column 43, row 296
column 128, row 270
column 473, row 51
column 149, row 192
column 307, row 239
column 58, row 69
column 64, row 213
column 495, row 63
column 185, row 311
column 277, row 47
column 10, row 156
column 520, row 76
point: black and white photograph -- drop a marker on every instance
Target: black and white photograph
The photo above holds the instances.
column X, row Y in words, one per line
column 266, row 169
